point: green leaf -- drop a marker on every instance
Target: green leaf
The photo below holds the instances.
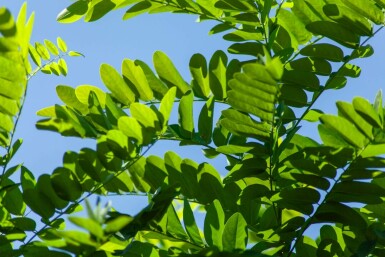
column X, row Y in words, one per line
column 324, row 51
column 88, row 224
column 214, row 225
column 309, row 64
column 217, row 75
column 75, row 54
column 350, row 70
column 166, row 105
column 340, row 213
column 347, row 111
column 235, row 233
column 345, row 130
column 205, row 121
column 131, row 128
column 38, row 203
column 293, row 95
column 62, row 64
column 34, row 55
column 115, row 83
column 24, row 223
column 61, row 44
column 134, row 76
column 82, row 93
column 348, row 18
column 306, row 80
column 294, row 26
column 313, row 115
column 68, row 95
column 13, row 199
column 146, row 116
column 198, row 70
column 138, row 8
column 158, row 87
column 44, row 186
column 335, row 32
column 366, row 9
column 66, row 184
column 42, row 51
column 366, row 110
column 190, row 224
column 99, row 9
column 27, row 179
column 168, row 73
column 51, row 47
column 355, row 191
column 185, row 118
column 73, row 13
column 362, row 52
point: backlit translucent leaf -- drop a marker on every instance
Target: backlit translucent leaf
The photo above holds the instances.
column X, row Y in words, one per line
column 347, row 111
column 131, row 128
column 158, row 87
column 235, row 233
column 42, row 51
column 335, row 32
column 99, row 9
column 168, row 73
column 166, row 105
column 294, row 26
column 198, row 70
column 214, row 225
column 185, row 118
column 61, row 44
column 366, row 9
column 145, row 115
column 345, row 129
column 136, row 9
column 51, row 47
column 217, row 75
column 34, row 55
column 88, row 224
column 73, row 13
column 74, row 53
column 68, row 96
column 347, row 17
column 305, row 12
column 136, row 79
column 205, row 121
column 190, row 224
column 63, row 66
column 115, row 83
column 82, row 93
column 366, row 110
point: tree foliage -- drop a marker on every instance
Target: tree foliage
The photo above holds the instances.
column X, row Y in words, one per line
column 277, row 182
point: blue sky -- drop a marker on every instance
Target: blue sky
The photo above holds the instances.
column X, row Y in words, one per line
column 110, row 40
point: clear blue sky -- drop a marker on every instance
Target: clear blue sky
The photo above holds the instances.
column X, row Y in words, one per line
column 110, row 40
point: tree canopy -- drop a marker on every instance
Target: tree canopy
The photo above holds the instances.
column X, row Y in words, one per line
column 276, row 183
